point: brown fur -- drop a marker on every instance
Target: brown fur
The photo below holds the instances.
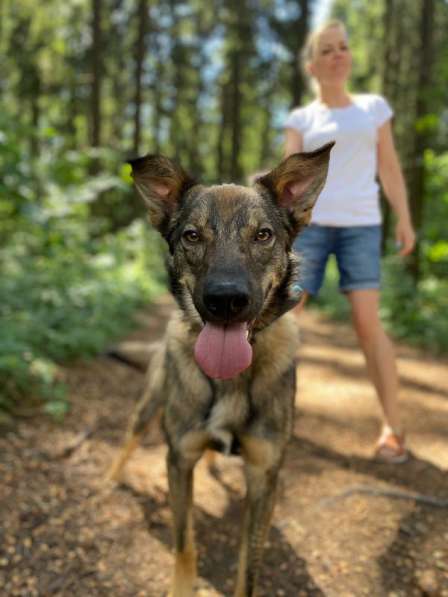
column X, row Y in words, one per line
column 219, row 232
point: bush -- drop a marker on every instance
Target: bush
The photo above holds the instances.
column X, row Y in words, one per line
column 418, row 315
column 62, row 304
column 71, row 276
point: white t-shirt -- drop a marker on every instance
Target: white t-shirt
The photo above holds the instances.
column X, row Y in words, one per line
column 350, row 195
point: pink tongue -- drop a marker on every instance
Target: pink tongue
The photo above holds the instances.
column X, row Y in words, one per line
column 223, row 352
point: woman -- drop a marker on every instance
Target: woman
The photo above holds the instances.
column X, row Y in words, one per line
column 347, row 219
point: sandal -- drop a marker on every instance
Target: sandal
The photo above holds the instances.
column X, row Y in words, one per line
column 390, row 447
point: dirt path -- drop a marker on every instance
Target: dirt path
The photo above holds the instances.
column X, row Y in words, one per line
column 62, row 534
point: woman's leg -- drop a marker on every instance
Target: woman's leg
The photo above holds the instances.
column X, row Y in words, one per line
column 378, row 351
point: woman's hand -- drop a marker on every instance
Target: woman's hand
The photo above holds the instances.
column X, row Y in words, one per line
column 404, row 236
column 392, row 180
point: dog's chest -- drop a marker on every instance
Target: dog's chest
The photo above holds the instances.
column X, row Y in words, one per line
column 230, row 406
column 228, row 417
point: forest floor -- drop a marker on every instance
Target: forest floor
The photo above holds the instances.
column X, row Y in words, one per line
column 63, row 533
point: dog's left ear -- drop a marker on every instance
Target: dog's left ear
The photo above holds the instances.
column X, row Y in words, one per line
column 160, row 182
column 297, row 181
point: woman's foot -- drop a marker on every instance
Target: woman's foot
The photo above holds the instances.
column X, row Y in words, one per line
column 391, row 448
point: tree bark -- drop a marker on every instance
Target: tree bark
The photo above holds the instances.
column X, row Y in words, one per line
column 421, row 142
column 298, row 81
column 140, row 50
column 157, row 102
column 96, row 73
column 236, row 102
column 221, row 154
column 35, row 112
column 387, row 84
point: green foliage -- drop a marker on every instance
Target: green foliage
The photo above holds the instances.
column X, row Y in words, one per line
column 416, row 315
column 362, row 19
column 61, row 304
column 71, row 279
column 435, row 233
column 75, row 258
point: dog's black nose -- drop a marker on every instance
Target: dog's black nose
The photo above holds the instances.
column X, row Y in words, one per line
column 226, row 300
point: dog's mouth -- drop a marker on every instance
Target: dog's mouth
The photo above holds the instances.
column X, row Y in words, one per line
column 223, row 351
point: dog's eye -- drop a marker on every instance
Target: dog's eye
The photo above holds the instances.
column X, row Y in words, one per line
column 191, row 236
column 263, row 235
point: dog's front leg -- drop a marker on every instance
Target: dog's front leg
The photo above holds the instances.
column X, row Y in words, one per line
column 144, row 414
column 180, row 480
column 262, row 466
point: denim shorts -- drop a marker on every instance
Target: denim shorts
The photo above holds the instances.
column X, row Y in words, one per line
column 357, row 250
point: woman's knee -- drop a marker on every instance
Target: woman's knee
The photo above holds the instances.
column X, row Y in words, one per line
column 365, row 315
column 367, row 326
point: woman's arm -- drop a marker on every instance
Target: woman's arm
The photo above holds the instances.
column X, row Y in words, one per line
column 293, row 142
column 392, row 181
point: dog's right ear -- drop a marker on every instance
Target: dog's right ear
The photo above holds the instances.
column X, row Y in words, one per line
column 160, row 182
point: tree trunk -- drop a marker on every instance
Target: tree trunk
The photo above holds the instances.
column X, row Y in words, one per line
column 157, row 92
column 421, row 137
column 387, row 77
column 221, row 153
column 236, row 102
column 179, row 65
column 194, row 142
column 72, row 114
column 121, row 88
column 140, row 50
column 266, row 129
column 35, row 114
column 298, row 82
column 96, row 73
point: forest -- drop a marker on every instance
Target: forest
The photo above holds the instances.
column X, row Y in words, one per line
column 87, row 84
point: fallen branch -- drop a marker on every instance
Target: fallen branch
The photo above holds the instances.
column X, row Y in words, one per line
column 428, row 500
column 121, row 358
column 76, row 443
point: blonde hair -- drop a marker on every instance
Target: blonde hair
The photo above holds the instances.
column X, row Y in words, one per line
column 307, row 53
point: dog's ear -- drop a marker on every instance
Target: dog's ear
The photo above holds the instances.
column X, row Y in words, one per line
column 160, row 182
column 297, row 181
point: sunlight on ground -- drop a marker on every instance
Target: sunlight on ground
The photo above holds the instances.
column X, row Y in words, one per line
column 335, row 394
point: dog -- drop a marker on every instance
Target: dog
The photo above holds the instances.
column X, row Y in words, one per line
column 224, row 377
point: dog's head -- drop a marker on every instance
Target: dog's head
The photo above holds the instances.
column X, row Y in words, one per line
column 231, row 266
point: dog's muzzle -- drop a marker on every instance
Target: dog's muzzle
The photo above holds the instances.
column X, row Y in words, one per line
column 222, row 348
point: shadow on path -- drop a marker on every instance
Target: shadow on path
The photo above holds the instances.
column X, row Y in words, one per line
column 359, row 372
column 426, row 527
column 416, row 475
column 217, row 540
